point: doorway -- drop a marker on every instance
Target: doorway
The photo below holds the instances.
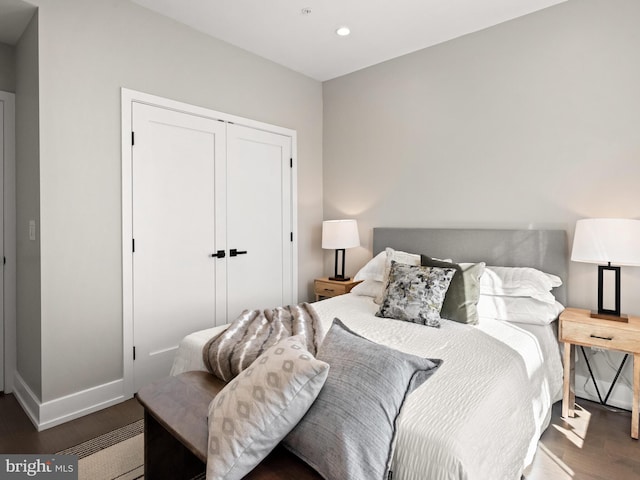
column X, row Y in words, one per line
column 7, row 242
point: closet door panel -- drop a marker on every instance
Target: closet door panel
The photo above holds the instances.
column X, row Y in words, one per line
column 174, row 230
column 258, row 220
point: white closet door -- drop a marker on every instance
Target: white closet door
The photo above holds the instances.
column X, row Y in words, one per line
column 175, row 191
column 259, row 220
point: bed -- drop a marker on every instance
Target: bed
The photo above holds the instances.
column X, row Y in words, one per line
column 481, row 415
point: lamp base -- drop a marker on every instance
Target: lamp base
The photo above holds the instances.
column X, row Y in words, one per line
column 340, row 278
column 615, row 311
column 605, row 316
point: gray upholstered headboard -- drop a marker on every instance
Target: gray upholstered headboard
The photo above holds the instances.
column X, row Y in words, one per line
column 546, row 250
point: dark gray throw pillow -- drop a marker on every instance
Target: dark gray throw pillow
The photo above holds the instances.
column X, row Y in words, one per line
column 461, row 300
column 349, row 430
column 415, row 293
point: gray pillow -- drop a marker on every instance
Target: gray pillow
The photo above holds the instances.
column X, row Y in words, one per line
column 415, row 293
column 348, row 433
column 461, row 300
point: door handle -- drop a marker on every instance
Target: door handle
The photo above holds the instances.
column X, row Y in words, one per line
column 218, row 254
column 234, row 253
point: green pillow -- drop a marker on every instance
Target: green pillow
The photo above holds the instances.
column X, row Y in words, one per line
column 461, row 299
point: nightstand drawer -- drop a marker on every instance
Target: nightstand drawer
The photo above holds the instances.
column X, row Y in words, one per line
column 605, row 336
column 326, row 289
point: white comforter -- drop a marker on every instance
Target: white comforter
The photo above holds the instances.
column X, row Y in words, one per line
column 480, row 415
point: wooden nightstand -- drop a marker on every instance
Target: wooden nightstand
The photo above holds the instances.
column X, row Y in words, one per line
column 578, row 328
column 325, row 288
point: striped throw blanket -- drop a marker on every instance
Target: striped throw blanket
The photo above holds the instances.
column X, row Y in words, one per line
column 254, row 331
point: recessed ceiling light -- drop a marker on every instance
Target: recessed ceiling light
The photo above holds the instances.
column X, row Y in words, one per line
column 343, row 31
column 306, row 11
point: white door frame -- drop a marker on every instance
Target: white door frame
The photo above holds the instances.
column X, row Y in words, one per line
column 127, row 98
column 9, row 238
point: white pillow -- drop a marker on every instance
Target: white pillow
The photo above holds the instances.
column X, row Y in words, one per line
column 556, row 281
column 256, row 409
column 373, row 270
column 369, row 288
column 518, row 309
column 399, row 256
column 519, row 282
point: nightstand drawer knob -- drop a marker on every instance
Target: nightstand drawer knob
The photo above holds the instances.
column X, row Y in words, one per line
column 602, row 338
column 328, row 289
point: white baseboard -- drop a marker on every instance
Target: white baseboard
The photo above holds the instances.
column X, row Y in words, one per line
column 621, row 396
column 60, row 410
column 27, row 399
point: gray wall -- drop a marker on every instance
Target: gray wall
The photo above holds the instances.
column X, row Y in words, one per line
column 7, row 68
column 532, row 123
column 29, row 354
column 88, row 51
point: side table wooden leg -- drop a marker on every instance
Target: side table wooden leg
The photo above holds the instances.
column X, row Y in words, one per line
column 636, row 396
column 568, row 389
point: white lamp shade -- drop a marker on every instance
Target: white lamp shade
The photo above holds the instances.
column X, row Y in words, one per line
column 338, row 234
column 604, row 240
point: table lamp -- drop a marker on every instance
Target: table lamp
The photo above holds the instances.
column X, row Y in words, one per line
column 340, row 235
column 607, row 241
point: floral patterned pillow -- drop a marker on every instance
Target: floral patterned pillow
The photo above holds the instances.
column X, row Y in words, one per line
column 415, row 293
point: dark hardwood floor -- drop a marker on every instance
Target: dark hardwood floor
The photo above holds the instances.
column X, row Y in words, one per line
column 595, row 445
column 18, row 435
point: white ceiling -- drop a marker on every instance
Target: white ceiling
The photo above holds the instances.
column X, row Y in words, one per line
column 14, row 18
column 279, row 31
column 380, row 29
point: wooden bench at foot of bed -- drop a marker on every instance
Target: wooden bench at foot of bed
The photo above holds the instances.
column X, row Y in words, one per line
column 176, row 432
